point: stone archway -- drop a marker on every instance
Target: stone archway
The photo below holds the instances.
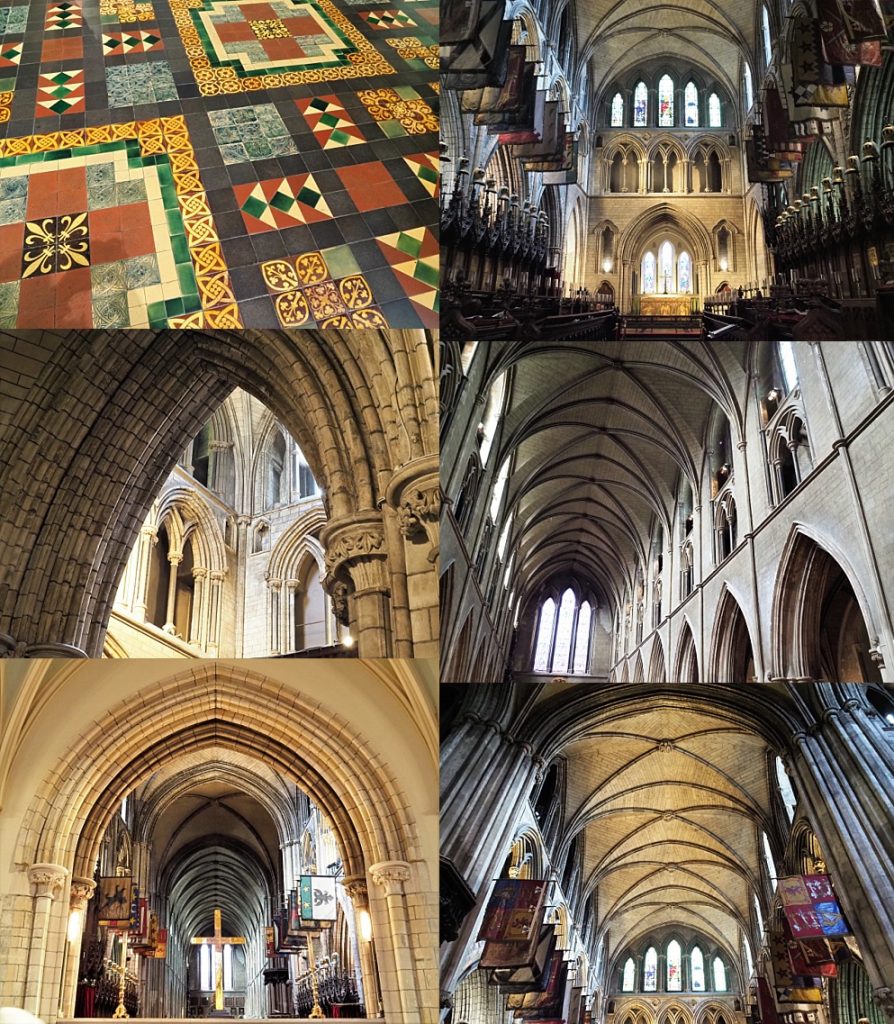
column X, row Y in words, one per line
column 364, row 413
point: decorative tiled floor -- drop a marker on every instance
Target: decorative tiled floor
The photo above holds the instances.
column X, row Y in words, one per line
column 218, row 163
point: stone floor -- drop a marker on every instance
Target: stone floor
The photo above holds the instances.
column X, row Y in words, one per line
column 218, row 163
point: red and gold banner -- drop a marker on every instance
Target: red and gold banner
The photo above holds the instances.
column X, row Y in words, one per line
column 810, row 907
column 514, row 911
column 838, row 47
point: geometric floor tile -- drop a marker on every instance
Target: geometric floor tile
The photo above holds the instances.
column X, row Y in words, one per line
column 115, row 231
column 62, row 48
column 10, row 54
column 281, row 203
column 251, row 133
column 330, row 122
column 146, row 82
column 370, row 186
column 387, row 19
column 125, row 12
column 399, row 111
column 134, row 41
column 425, row 167
column 413, row 256
column 60, row 92
column 6, row 96
column 62, row 16
column 323, row 288
column 230, row 43
column 418, row 51
column 13, row 20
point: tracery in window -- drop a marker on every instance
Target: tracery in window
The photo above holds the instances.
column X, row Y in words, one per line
column 690, row 106
column 564, row 634
column 697, row 969
column 714, row 116
column 674, row 967
column 666, row 102
column 650, row 970
column 617, row 111
column 640, row 105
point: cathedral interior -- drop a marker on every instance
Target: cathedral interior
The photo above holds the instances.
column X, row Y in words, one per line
column 675, row 836
column 667, row 511
column 677, row 169
column 218, row 164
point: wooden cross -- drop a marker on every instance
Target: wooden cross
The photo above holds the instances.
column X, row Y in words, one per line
column 217, row 941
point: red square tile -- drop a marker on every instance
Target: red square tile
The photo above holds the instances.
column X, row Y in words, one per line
column 302, row 25
column 371, row 186
column 259, row 12
column 73, row 298
column 62, row 49
column 106, row 242
column 137, row 236
column 282, row 49
column 234, row 31
column 11, row 237
column 42, row 195
column 71, row 189
column 37, row 302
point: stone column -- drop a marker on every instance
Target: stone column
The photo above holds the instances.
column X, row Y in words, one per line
column 399, row 988
column 841, row 766
column 242, row 552
column 356, row 556
column 288, row 614
column 140, row 603
column 273, row 588
column 174, row 561
column 356, row 888
column 212, row 643
column 198, row 619
column 79, row 896
column 46, row 881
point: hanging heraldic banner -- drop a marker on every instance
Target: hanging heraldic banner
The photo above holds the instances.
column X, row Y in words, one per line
column 318, row 900
column 810, row 906
column 115, row 897
column 515, row 910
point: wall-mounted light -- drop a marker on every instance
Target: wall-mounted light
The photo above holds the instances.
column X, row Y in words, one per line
column 75, row 923
column 347, row 640
column 366, row 932
column 607, row 266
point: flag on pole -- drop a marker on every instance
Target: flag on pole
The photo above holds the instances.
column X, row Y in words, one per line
column 318, row 899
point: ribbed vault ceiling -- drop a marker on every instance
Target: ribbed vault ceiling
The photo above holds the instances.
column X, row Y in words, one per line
column 669, row 805
column 710, row 33
column 603, row 433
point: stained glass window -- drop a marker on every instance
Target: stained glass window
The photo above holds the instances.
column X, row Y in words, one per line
column 666, row 102
column 618, row 111
column 666, row 268
column 650, row 970
column 545, row 635
column 685, row 274
column 690, row 104
column 674, row 967
column 714, row 111
column 719, row 975
column 649, row 274
column 697, row 970
column 629, row 979
column 749, row 91
column 640, row 105
column 765, row 29
column 582, row 643
column 563, row 632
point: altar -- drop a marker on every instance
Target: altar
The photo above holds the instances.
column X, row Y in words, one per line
column 665, row 305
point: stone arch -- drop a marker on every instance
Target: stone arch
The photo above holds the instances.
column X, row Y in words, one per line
column 360, row 412
column 657, row 670
column 638, row 668
column 686, row 665
column 811, row 570
column 731, row 648
column 659, row 217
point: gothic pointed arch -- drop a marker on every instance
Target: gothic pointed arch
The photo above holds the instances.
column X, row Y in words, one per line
column 657, row 671
column 686, row 664
column 732, row 657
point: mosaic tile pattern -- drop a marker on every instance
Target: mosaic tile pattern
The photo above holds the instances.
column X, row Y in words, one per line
column 157, row 155
column 413, row 256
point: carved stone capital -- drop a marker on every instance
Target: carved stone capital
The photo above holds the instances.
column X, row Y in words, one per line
column 358, row 890
column 390, row 875
column 356, row 552
column 199, row 573
column 217, row 575
column 81, row 893
column 47, row 879
column 415, row 494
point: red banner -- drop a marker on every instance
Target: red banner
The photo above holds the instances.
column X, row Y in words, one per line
column 514, row 911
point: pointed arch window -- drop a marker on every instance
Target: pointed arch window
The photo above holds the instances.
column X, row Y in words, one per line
column 545, row 635
column 758, row 913
column 785, row 789
column 690, row 106
column 666, row 102
column 674, row 967
column 685, row 273
column 714, row 114
column 747, row 87
column 719, row 972
column 564, row 629
column 767, row 37
column 499, row 486
column 617, row 111
column 582, row 642
column 769, row 859
column 666, row 269
column 629, row 979
column 640, row 105
column 649, row 266
column 697, row 969
column 650, row 970
column 787, row 364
